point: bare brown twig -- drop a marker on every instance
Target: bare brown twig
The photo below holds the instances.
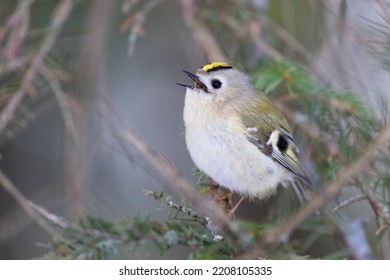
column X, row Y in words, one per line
column 349, row 201
column 62, row 12
column 202, row 35
column 253, row 30
column 61, row 223
column 377, row 206
column 260, row 43
column 24, row 203
column 137, row 21
column 55, row 85
column 18, row 24
column 167, row 174
column 287, row 38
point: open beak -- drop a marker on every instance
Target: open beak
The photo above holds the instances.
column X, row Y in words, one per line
column 195, row 78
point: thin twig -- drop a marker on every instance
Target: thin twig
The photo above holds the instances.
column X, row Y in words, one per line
column 381, row 229
column 204, row 221
column 253, row 30
column 24, row 203
column 205, row 39
column 55, row 85
column 51, row 218
column 287, row 38
column 62, row 223
column 19, row 21
column 62, row 12
column 260, row 43
column 349, row 201
column 376, row 205
column 173, row 205
column 329, row 192
column 137, row 21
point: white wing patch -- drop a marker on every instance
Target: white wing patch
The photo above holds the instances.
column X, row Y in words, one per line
column 273, row 139
column 251, row 129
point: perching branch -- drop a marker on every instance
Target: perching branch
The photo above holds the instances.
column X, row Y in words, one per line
column 162, row 169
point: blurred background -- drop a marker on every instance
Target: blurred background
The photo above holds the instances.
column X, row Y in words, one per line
column 76, row 64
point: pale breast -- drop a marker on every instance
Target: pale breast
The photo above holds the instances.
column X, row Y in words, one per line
column 218, row 146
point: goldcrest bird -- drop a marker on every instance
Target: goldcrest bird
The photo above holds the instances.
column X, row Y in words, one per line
column 236, row 135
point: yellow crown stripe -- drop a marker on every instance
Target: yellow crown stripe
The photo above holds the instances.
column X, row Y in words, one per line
column 214, row 65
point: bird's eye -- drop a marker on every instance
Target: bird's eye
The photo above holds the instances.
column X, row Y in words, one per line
column 216, row 84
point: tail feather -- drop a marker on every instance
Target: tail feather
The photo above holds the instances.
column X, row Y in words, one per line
column 303, row 190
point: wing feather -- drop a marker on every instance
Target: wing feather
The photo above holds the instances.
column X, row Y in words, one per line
column 269, row 131
column 288, row 157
